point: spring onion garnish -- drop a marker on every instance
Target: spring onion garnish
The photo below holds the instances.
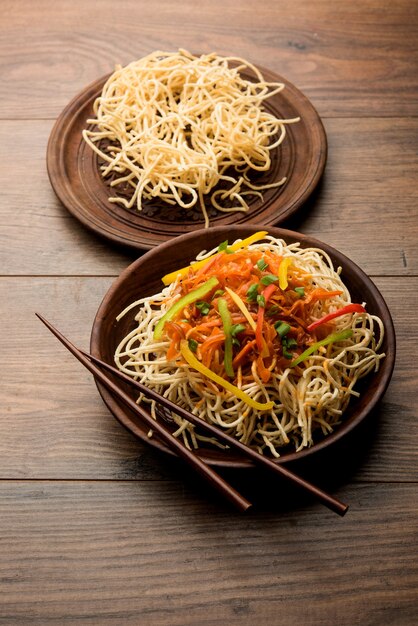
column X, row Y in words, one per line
column 204, row 307
column 282, row 328
column 252, row 293
column 236, row 329
column 223, row 247
column 264, row 298
column 287, row 344
column 262, row 265
column 192, row 343
column 272, row 310
column 300, row 291
column 268, row 279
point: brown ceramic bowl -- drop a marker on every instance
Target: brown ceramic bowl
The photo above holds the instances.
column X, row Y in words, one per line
column 143, row 277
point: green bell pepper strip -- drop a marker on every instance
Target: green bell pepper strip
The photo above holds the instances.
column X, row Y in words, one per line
column 333, row 337
column 227, row 326
column 189, row 298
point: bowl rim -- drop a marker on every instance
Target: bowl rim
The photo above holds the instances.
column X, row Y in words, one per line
column 337, row 257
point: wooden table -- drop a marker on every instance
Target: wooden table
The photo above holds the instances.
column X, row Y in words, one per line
column 95, row 527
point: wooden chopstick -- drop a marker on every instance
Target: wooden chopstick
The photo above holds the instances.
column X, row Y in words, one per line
column 332, row 503
column 204, row 470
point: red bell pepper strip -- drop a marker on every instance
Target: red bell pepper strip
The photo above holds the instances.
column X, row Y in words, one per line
column 261, row 344
column 349, row 308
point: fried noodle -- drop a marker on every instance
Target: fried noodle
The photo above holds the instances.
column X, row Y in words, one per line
column 183, row 129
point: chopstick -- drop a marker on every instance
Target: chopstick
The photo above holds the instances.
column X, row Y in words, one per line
column 88, row 361
column 204, row 470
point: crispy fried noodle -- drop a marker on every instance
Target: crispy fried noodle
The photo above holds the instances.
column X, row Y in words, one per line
column 185, row 129
column 258, row 337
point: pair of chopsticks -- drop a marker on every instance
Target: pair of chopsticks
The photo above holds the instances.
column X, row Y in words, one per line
column 96, row 367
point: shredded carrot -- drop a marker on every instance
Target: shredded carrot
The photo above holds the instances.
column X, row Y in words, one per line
column 321, row 294
column 240, row 357
column 242, row 277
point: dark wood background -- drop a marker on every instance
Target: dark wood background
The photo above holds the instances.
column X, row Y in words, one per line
column 97, row 528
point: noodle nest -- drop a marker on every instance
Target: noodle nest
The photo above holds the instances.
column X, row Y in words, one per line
column 189, row 131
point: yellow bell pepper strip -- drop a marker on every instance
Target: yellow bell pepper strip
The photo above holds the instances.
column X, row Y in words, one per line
column 349, row 308
column 332, row 338
column 241, row 305
column 189, row 298
column 260, row 234
column 170, row 278
column 261, row 344
column 284, row 266
column 227, row 326
column 241, row 395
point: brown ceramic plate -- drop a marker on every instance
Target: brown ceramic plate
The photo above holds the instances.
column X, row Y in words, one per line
column 143, row 277
column 75, row 177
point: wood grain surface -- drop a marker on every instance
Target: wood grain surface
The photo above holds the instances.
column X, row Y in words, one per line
column 95, row 526
column 143, row 553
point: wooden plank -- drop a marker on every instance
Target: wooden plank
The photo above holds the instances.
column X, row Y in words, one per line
column 154, row 553
column 325, row 49
column 369, row 180
column 38, row 234
column 60, row 414
column 53, row 424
